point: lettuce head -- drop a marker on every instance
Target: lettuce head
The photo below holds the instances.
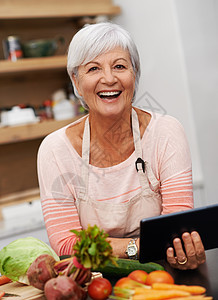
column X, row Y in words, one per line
column 16, row 257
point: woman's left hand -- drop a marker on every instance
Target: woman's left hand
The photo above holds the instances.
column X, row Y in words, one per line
column 189, row 257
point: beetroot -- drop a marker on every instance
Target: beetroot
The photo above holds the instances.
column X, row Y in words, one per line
column 63, row 287
column 81, row 276
column 41, row 270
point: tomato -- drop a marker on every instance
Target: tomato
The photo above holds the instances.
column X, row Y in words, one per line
column 138, row 275
column 159, row 276
column 124, row 283
column 99, row 288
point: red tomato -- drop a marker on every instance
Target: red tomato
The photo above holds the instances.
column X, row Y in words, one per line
column 99, row 288
column 159, row 276
column 138, row 275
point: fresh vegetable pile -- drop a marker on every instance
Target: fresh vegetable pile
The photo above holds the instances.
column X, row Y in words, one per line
column 33, row 262
column 157, row 285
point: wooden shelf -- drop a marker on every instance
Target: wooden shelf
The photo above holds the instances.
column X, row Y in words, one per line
column 33, row 80
column 15, row 134
column 32, row 64
column 20, row 197
column 21, row 9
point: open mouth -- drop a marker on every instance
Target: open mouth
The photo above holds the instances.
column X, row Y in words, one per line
column 109, row 95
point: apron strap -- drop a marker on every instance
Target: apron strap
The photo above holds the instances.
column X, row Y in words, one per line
column 85, row 158
column 136, row 134
column 141, row 165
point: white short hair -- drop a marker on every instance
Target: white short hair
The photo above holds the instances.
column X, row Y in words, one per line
column 93, row 40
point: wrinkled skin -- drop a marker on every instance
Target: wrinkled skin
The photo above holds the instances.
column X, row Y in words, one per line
column 192, row 254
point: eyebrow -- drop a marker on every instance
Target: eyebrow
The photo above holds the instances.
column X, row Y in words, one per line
column 95, row 62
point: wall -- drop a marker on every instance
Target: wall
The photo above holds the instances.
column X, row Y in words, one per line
column 198, row 20
column 170, row 79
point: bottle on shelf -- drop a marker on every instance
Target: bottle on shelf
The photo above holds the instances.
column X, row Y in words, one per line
column 62, row 107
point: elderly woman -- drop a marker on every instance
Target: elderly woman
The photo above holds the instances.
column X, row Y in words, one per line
column 118, row 164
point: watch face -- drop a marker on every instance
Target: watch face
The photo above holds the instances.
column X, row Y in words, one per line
column 132, row 250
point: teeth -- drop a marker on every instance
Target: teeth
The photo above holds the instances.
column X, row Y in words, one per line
column 109, row 93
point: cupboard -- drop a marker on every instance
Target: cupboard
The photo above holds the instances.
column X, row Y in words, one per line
column 33, row 80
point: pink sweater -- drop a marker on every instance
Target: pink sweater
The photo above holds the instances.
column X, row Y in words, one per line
column 164, row 146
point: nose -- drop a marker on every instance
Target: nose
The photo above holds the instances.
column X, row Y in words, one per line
column 108, row 76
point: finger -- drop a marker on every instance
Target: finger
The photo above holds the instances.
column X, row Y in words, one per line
column 170, row 257
column 190, row 250
column 180, row 254
column 199, row 247
column 188, row 244
column 179, row 261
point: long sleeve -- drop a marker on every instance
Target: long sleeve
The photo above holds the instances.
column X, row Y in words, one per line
column 172, row 164
column 58, row 203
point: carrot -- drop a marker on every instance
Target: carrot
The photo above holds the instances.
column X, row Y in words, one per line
column 128, row 292
column 198, row 297
column 4, row 279
column 192, row 289
column 159, row 295
column 2, row 294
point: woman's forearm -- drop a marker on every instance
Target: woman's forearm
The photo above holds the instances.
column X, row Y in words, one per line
column 119, row 246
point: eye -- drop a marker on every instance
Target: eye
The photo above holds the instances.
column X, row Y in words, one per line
column 92, row 69
column 120, row 67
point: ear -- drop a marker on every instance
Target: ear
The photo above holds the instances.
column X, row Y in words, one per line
column 76, row 83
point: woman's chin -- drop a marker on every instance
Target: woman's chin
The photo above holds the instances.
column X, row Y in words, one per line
column 111, row 109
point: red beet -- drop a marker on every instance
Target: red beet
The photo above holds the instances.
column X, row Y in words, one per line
column 63, row 287
column 41, row 270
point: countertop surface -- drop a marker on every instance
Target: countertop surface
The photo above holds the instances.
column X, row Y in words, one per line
column 27, row 220
column 21, row 221
column 205, row 275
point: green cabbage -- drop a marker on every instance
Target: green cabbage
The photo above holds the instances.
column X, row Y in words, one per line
column 16, row 257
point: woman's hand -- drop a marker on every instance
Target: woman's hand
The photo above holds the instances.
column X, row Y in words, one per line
column 189, row 257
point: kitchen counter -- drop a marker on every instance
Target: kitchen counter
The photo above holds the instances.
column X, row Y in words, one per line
column 21, row 221
column 206, row 275
column 27, row 220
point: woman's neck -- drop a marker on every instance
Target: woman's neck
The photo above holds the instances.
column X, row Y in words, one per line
column 110, row 130
column 111, row 139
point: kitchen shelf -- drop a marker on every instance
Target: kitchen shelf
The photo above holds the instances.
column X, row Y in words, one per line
column 21, row 9
column 33, row 64
column 19, row 197
column 31, row 81
column 14, row 134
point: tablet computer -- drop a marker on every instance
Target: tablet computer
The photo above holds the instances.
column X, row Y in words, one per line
column 157, row 233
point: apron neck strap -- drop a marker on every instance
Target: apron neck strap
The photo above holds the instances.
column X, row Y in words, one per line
column 85, row 155
column 136, row 134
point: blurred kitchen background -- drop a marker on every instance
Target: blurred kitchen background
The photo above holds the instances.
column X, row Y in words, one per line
column 178, row 45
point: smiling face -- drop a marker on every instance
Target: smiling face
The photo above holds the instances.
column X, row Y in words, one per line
column 107, row 83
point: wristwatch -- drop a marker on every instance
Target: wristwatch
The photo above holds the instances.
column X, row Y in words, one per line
column 132, row 250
